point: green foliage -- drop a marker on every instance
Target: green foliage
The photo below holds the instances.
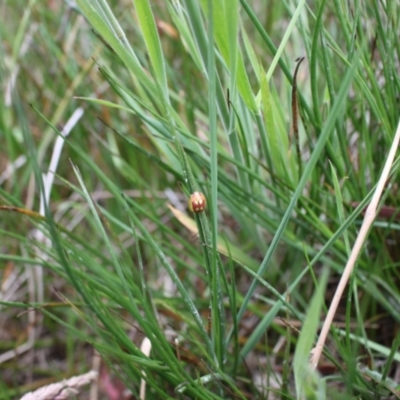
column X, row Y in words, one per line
column 134, row 105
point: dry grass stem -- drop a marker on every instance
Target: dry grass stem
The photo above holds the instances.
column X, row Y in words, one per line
column 61, row 390
column 146, row 349
column 368, row 220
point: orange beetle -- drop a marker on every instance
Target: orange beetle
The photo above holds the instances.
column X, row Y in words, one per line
column 197, row 202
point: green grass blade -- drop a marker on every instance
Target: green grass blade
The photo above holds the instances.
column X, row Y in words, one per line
column 302, row 372
column 152, row 40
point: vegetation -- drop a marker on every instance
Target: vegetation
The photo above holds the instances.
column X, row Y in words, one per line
column 282, row 113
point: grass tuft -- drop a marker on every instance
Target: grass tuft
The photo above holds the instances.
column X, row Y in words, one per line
column 283, row 115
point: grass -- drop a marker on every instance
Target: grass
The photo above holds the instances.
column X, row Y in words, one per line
column 113, row 113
